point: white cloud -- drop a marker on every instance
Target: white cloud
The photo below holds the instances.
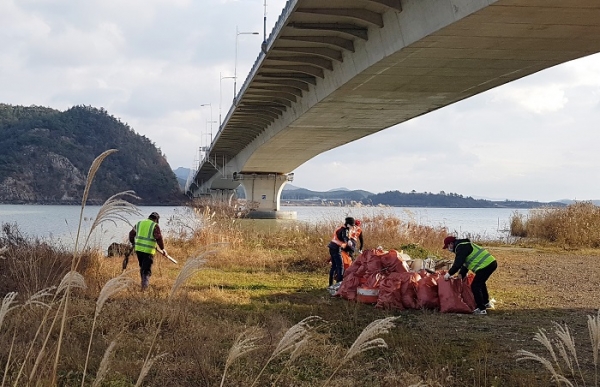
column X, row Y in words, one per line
column 153, row 63
column 540, row 100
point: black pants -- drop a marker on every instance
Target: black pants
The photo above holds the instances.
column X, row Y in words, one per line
column 479, row 287
column 336, row 264
column 145, row 260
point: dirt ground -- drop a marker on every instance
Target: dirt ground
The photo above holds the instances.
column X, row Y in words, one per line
column 533, row 288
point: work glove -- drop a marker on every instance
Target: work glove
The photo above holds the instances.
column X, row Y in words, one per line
column 447, row 276
column 165, row 252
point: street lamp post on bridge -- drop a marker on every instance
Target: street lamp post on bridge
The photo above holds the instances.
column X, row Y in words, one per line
column 221, row 95
column 211, row 118
column 238, row 33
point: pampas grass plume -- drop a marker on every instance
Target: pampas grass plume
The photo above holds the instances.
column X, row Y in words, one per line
column 191, row 267
column 36, row 297
column 295, row 334
column 8, row 300
column 103, row 368
column 146, row 368
column 113, row 286
column 291, row 338
column 565, row 344
column 71, row 280
column 367, row 340
column 245, row 342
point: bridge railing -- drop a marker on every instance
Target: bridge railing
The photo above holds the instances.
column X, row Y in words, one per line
column 287, row 10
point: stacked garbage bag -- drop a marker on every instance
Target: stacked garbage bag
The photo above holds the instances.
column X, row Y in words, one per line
column 384, row 278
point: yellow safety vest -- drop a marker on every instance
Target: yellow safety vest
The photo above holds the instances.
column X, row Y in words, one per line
column 479, row 258
column 144, row 237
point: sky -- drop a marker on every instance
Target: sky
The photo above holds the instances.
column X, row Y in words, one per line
column 155, row 63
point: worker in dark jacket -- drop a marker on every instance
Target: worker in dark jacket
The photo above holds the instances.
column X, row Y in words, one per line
column 145, row 236
column 470, row 256
column 340, row 240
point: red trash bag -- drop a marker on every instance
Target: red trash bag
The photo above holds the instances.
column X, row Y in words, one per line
column 372, row 280
column 374, row 263
column 467, row 292
column 451, row 296
column 361, row 270
column 391, row 262
column 390, row 292
column 348, row 287
column 408, row 289
column 427, row 291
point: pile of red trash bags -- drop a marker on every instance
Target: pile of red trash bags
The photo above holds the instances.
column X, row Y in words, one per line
column 383, row 278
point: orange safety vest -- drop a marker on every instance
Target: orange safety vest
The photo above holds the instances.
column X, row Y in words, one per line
column 346, row 260
column 355, row 232
column 335, row 239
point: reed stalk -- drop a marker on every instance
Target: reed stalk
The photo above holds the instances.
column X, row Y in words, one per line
column 245, row 343
column 76, row 255
column 113, row 286
column 292, row 337
column 366, row 341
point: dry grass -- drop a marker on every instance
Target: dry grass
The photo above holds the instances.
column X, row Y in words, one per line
column 185, row 331
column 575, row 226
column 563, row 364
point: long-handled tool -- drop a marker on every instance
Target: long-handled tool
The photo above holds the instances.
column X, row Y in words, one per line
column 167, row 256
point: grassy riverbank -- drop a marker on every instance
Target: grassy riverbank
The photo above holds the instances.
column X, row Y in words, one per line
column 181, row 333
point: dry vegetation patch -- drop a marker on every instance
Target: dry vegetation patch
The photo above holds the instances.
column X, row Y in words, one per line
column 255, row 287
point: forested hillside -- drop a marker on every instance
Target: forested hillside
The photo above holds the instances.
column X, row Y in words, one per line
column 46, row 155
column 447, row 200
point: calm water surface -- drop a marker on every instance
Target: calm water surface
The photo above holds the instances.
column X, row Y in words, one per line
column 59, row 224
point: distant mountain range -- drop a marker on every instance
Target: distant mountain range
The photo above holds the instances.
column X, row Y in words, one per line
column 293, row 195
column 182, row 176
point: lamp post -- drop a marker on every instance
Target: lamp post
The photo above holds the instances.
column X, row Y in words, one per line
column 221, row 94
column 238, row 33
column 210, row 105
column 211, row 131
column 263, row 46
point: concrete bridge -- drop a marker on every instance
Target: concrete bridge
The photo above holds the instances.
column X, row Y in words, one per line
column 335, row 71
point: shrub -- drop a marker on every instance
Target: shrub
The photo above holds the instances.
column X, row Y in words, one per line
column 575, row 225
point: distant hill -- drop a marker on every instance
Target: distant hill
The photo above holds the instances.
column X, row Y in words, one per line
column 46, row 155
column 182, row 176
column 302, row 196
column 305, row 194
column 290, row 187
column 293, row 195
column 448, row 200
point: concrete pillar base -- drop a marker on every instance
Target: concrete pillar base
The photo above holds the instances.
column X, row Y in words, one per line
column 263, row 190
column 272, row 215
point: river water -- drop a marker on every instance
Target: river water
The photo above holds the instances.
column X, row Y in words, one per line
column 59, row 224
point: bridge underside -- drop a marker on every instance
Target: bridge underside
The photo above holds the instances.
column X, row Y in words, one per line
column 498, row 44
column 338, row 70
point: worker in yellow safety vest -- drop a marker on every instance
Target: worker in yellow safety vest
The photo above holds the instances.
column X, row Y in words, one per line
column 145, row 236
column 470, row 256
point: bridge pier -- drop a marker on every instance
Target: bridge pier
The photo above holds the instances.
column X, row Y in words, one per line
column 263, row 194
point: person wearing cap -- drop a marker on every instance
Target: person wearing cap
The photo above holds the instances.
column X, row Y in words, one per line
column 470, row 256
column 145, row 236
column 341, row 240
